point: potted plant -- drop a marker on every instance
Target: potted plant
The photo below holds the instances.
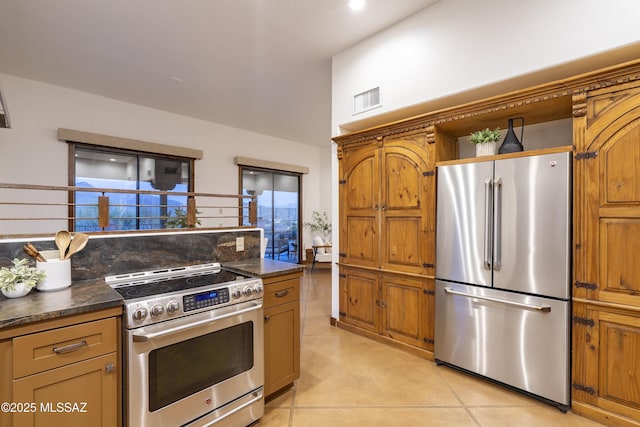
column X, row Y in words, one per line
column 17, row 281
column 320, row 224
column 485, row 141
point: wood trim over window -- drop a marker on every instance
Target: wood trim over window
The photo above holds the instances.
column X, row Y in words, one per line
column 265, row 164
column 72, row 135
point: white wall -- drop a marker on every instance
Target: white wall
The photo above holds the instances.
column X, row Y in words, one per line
column 458, row 45
column 30, row 152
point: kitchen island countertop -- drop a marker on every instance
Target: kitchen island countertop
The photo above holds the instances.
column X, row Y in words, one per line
column 263, row 268
column 80, row 297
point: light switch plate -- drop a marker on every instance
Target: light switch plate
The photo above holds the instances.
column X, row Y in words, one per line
column 239, row 244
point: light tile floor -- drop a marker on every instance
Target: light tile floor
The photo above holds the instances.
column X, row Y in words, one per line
column 347, row 380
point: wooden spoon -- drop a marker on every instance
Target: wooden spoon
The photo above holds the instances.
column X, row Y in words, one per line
column 31, row 250
column 78, row 243
column 63, row 238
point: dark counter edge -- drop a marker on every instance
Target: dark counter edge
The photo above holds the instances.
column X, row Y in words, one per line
column 263, row 268
column 80, row 297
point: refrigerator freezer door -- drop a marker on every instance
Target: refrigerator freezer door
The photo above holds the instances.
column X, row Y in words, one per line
column 519, row 340
column 464, row 216
column 532, row 209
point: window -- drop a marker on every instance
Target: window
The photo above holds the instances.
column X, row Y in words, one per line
column 110, row 168
column 278, row 197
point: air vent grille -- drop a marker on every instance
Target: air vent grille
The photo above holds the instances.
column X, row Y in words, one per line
column 367, row 100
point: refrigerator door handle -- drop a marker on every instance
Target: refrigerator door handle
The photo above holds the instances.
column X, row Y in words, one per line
column 497, row 225
column 543, row 308
column 488, row 220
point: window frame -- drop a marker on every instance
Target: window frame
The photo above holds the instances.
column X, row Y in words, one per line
column 73, row 146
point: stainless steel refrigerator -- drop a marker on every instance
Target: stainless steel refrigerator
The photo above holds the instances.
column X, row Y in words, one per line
column 503, row 272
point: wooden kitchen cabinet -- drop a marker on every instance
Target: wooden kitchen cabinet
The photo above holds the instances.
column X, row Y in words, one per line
column 393, row 306
column 387, row 203
column 83, row 393
column 606, row 310
column 406, row 307
column 387, row 232
column 359, row 299
column 67, row 370
column 281, row 331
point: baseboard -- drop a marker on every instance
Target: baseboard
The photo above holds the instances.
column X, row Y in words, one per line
column 602, row 416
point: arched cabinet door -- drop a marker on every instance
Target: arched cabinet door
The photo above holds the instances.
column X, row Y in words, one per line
column 609, row 206
column 606, row 318
column 360, row 206
column 405, row 214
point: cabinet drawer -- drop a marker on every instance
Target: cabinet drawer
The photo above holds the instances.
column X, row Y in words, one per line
column 281, row 292
column 59, row 347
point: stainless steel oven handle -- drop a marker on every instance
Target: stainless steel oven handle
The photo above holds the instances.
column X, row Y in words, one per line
column 543, row 308
column 182, row 328
column 256, row 396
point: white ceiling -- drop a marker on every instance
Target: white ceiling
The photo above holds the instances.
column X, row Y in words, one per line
column 259, row 65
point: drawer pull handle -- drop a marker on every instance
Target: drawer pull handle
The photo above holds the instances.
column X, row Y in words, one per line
column 70, row 348
column 266, row 318
column 282, row 293
column 110, row 368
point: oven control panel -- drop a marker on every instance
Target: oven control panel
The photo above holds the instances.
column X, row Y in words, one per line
column 205, row 299
column 147, row 311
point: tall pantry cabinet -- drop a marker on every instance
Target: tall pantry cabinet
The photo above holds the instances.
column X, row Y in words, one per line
column 387, row 231
column 606, row 304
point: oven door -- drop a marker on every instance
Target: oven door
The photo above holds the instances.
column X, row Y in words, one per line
column 183, row 369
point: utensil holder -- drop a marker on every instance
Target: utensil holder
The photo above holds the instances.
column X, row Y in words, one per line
column 58, row 274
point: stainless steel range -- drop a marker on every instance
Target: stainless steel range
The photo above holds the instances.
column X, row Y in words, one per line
column 193, row 347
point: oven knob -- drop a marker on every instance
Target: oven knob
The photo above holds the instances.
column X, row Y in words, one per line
column 172, row 307
column 257, row 289
column 237, row 293
column 248, row 291
column 140, row 314
column 157, row 310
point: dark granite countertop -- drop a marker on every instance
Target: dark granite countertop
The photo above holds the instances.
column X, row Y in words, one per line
column 80, row 297
column 263, row 268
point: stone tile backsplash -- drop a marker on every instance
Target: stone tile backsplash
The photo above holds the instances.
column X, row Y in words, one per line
column 111, row 254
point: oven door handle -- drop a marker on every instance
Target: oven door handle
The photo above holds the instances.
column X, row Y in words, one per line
column 196, row 324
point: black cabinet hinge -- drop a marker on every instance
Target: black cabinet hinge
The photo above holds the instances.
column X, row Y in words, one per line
column 584, row 388
column 586, row 155
column 584, row 321
column 428, row 340
column 590, row 286
column 342, row 254
column 428, row 292
column 427, row 265
column 342, row 181
column 342, row 313
column 428, row 173
column 342, row 275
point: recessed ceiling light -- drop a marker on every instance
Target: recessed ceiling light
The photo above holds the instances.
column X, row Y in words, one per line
column 356, row 4
column 176, row 79
column 112, row 160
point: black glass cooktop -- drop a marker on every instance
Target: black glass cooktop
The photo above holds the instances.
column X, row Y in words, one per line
column 177, row 284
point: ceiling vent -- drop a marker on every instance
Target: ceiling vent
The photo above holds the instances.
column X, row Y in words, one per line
column 367, row 100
